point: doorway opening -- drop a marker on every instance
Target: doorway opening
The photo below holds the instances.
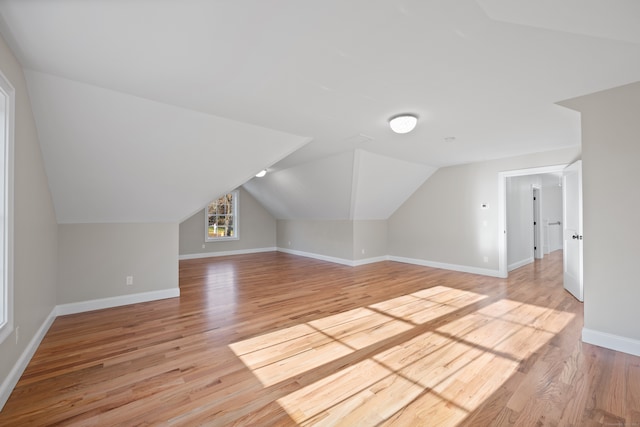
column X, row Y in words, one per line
column 503, row 248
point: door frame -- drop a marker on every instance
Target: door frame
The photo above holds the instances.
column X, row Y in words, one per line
column 538, row 235
column 502, row 208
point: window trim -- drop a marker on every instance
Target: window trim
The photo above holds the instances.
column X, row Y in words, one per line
column 6, row 287
column 236, row 220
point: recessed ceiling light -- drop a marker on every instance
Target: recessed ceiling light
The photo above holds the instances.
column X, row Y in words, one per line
column 403, row 123
column 449, row 139
column 262, row 173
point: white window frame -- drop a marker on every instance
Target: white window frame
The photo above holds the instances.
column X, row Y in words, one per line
column 6, row 210
column 236, row 221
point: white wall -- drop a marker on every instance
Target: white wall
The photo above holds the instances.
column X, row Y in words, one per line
column 344, row 241
column 257, row 230
column 95, row 259
column 611, row 149
column 369, row 239
column 35, row 230
column 443, row 221
column 519, row 198
column 329, row 238
column 552, row 213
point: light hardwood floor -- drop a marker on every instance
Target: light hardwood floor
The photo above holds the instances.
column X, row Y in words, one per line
column 275, row 339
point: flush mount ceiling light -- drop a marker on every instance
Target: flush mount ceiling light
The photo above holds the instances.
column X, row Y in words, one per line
column 262, row 173
column 403, row 123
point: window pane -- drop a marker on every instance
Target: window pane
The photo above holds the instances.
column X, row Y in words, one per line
column 220, row 217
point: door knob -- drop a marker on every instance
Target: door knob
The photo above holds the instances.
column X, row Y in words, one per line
column 576, row 236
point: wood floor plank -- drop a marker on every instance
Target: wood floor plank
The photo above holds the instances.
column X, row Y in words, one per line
column 275, row 339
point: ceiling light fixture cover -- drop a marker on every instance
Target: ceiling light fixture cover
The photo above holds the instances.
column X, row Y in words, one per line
column 403, row 123
column 261, row 173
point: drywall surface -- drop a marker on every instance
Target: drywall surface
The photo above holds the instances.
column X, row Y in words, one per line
column 95, row 260
column 35, row 260
column 369, row 239
column 552, row 214
column 611, row 203
column 519, row 194
column 331, row 238
column 444, row 220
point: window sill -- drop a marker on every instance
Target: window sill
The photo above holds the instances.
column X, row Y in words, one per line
column 221, row 239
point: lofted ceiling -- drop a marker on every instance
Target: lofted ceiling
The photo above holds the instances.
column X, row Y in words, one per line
column 355, row 184
column 147, row 109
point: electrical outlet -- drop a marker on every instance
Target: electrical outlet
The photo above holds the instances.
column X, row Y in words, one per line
column 362, row 251
column 486, row 259
column 129, row 280
column 203, row 246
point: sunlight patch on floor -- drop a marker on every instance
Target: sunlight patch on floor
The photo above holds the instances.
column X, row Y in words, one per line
column 376, row 389
column 432, row 376
column 423, row 306
column 274, row 358
column 282, row 354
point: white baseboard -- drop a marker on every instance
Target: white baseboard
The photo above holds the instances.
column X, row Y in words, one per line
column 365, row 261
column 226, row 253
column 610, row 341
column 519, row 264
column 98, row 304
column 425, row 263
column 445, row 266
column 320, row 257
column 342, row 261
column 77, row 307
column 21, row 364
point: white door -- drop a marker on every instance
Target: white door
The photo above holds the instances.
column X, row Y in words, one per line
column 572, row 228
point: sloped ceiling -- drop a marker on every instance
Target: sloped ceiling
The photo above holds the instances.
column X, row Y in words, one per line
column 381, row 184
column 128, row 159
column 145, row 85
column 355, row 185
column 319, row 189
column 615, row 20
